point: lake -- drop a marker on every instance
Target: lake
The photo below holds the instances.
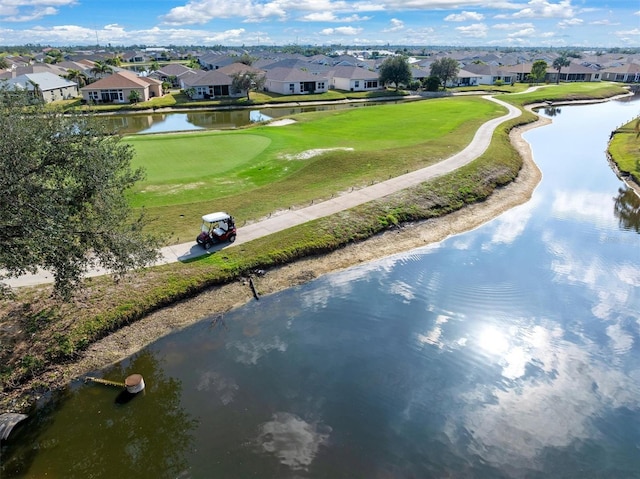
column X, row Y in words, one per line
column 215, row 119
column 510, row 351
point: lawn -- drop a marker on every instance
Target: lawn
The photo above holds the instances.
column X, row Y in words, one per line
column 253, row 172
column 566, row 92
column 624, row 149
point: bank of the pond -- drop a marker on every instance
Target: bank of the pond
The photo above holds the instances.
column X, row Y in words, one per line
column 622, row 152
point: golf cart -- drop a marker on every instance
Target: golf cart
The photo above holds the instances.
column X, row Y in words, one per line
column 216, row 228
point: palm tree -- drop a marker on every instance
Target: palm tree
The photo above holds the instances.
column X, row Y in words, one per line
column 558, row 63
column 37, row 92
column 115, row 61
column 76, row 76
column 101, row 68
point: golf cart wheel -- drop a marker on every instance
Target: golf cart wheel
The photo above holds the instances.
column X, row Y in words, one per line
column 232, row 238
column 207, row 244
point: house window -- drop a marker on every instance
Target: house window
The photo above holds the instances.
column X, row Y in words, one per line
column 356, row 84
column 371, row 84
column 292, row 87
column 111, row 95
column 94, row 96
column 320, row 85
column 221, row 90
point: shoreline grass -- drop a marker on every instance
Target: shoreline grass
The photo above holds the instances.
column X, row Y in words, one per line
column 48, row 333
column 624, row 150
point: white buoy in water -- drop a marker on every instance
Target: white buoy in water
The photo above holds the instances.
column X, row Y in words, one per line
column 134, row 383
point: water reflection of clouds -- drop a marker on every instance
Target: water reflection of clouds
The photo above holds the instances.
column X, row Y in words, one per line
column 250, row 351
column 541, row 411
column 292, row 440
column 585, row 206
column 341, row 284
column 226, row 388
column 510, row 225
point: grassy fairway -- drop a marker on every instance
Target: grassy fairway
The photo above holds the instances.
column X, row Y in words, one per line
column 255, row 171
column 566, row 92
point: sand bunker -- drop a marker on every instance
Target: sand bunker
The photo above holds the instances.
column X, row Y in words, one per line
column 284, row 121
column 305, row 155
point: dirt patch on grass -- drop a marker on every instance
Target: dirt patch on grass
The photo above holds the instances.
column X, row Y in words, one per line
column 305, row 155
column 215, row 302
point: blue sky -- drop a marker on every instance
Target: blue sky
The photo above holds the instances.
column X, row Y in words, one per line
column 517, row 23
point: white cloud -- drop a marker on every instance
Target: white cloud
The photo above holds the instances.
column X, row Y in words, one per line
column 604, row 22
column 203, row 11
column 464, row 17
column 396, row 25
column 544, row 9
column 331, row 17
column 512, row 26
column 34, row 14
column 341, row 31
column 572, row 22
column 635, row 31
column 477, row 30
column 526, row 32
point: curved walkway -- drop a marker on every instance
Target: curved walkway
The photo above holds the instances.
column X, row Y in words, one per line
column 280, row 222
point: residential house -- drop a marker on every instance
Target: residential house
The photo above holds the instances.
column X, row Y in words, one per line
column 288, row 81
column 520, row 72
column 213, row 61
column 135, row 57
column 629, row 73
column 352, row 78
column 14, row 72
column 419, row 74
column 236, row 68
column 172, row 73
column 572, row 73
column 465, row 78
column 118, row 88
column 488, row 74
column 46, row 86
column 208, row 84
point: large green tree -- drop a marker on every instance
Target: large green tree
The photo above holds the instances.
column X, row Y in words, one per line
column 559, row 63
column 247, row 81
column 396, row 70
column 63, row 180
column 538, row 71
column 445, row 69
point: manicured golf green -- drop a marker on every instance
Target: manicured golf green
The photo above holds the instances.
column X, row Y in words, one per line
column 189, row 168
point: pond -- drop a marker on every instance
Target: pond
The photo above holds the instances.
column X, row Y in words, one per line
column 510, row 351
column 145, row 123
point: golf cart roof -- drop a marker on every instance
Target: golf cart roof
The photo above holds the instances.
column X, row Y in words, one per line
column 213, row 217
